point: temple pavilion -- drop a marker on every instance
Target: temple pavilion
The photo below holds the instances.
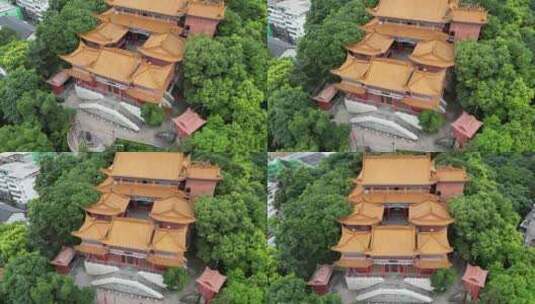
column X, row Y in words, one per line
column 403, row 59
column 145, row 210
column 134, row 54
column 400, row 217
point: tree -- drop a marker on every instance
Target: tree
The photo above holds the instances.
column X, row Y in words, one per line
column 7, row 35
column 240, row 290
column 12, row 88
column 431, row 121
column 58, row 289
column 152, row 114
column 21, row 274
column 13, row 241
column 442, row 279
column 290, row 289
column 176, row 278
column 25, row 137
column 13, row 55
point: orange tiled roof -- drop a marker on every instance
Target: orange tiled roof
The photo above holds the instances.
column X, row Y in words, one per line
column 468, row 15
column 139, row 22
column 109, row 204
column 166, row 261
column 427, row 83
column 139, row 190
column 390, row 74
column 393, row 240
column 145, row 95
column 404, row 31
column 349, row 262
column 130, row 233
column 105, row 34
column 148, row 165
column 164, row 7
column 353, row 241
column 90, row 249
column 433, row 243
column 432, row 104
column 451, row 174
column 421, row 10
column 352, row 68
column 205, row 9
column 168, row 47
column 173, row 210
column 364, row 214
column 382, row 197
column 373, row 44
column 83, row 56
column 435, row 263
column 92, row 229
column 436, row 53
column 169, row 240
column 152, row 76
column 396, row 169
column 349, row 87
column 204, row 171
column 429, row 213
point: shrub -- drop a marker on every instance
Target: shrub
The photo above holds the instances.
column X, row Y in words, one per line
column 442, row 279
column 431, row 121
column 176, row 278
column 152, row 114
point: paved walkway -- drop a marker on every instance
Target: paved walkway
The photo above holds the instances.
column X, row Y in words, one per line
column 107, row 132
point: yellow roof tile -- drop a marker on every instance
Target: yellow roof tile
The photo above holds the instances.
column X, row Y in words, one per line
column 427, row 83
column 384, row 197
column 109, row 204
column 364, row 214
column 130, row 233
column 207, row 9
column 148, row 165
column 92, row 229
column 433, row 243
column 429, row 213
column 204, row 171
column 432, row 104
column 169, row 240
column 396, row 169
column 83, row 56
column 390, row 74
column 173, row 210
column 435, row 53
column 393, row 240
column 139, row 190
column 152, row 76
column 168, row 47
column 349, row 87
column 347, row 262
column 166, row 261
column 404, row 31
column 164, row 7
column 353, row 241
column 139, row 22
column 450, row 174
column 105, row 34
column 422, row 10
column 435, row 263
column 352, row 68
column 373, row 44
column 469, row 15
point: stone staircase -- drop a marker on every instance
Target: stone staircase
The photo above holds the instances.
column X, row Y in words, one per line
column 127, row 280
column 394, row 290
column 404, row 129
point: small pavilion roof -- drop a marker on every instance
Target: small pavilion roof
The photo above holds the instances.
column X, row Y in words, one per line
column 105, row 34
column 321, row 276
column 436, row 53
column 427, row 83
column 211, row 279
column 393, row 240
column 404, row 31
column 60, row 78
column 204, row 171
column 353, row 241
column 429, row 213
column 326, row 94
column 396, row 169
column 168, row 47
column 189, row 121
column 450, row 174
column 467, row 124
column 205, row 9
column 163, row 7
column 173, row 209
column 64, row 257
column 433, row 243
column 170, row 240
column 109, row 204
column 352, row 68
column 475, row 275
column 153, row 76
column 148, row 165
column 364, row 214
column 139, row 22
column 130, row 233
column 421, row 10
column 469, row 15
column 92, row 229
column 373, row 44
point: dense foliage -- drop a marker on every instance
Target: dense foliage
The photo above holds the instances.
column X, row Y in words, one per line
column 176, row 278
column 152, row 114
column 442, row 279
column 431, row 121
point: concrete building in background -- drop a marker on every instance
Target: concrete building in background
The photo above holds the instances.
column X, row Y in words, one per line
column 288, row 17
column 35, row 9
column 7, row 9
column 18, row 172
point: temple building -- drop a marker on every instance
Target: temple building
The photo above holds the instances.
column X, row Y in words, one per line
column 135, row 53
column 400, row 217
column 403, row 61
column 145, row 211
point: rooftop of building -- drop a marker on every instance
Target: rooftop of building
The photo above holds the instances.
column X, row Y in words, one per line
column 373, row 44
column 436, row 53
column 396, row 169
column 105, row 33
column 173, row 210
column 164, row 7
column 147, row 165
column 168, row 47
